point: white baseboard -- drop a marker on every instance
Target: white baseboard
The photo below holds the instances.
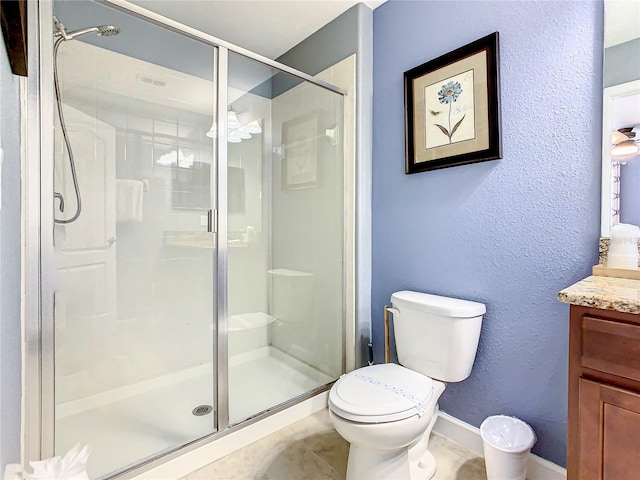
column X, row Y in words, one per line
column 469, row 437
column 198, row 458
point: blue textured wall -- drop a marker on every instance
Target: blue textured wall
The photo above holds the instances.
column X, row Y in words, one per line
column 510, row 233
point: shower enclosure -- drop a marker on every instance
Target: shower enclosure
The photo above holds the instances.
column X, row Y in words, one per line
column 195, row 255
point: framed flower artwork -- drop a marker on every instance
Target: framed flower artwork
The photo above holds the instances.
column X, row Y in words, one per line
column 452, row 108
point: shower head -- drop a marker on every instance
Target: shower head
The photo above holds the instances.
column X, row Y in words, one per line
column 101, row 31
column 108, row 30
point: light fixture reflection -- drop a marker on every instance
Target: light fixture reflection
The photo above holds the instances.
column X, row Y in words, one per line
column 213, row 131
column 233, row 137
column 232, row 120
column 618, row 137
column 624, row 149
column 253, row 127
column 174, row 157
column 243, row 134
column 236, row 132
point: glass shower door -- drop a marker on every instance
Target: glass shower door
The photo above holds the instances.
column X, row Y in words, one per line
column 135, row 300
column 285, row 237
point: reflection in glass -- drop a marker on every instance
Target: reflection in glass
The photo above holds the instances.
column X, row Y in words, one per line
column 134, row 307
column 285, row 239
column 621, row 178
column 135, row 302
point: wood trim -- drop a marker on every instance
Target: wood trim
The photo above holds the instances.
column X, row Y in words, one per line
column 611, row 347
column 619, row 397
column 620, row 424
column 609, row 421
column 611, row 379
column 590, row 419
column 609, row 327
column 13, row 17
column 622, row 317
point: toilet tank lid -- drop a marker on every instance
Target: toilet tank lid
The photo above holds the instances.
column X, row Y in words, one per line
column 445, row 306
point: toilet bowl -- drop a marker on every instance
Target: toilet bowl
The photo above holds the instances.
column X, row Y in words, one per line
column 385, row 411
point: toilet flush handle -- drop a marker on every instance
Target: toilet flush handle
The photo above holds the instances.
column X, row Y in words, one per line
column 387, row 346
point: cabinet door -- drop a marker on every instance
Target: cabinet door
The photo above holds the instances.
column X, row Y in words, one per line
column 609, row 432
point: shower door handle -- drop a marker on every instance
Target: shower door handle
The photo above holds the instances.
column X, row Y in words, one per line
column 212, row 221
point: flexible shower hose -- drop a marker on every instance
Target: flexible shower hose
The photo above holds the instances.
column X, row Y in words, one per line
column 65, row 134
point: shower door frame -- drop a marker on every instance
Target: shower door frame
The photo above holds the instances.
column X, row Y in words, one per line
column 38, row 256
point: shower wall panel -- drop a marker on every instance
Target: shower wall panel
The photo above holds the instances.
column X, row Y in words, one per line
column 249, row 214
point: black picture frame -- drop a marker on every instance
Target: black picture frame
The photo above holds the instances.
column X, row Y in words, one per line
column 461, row 85
column 13, row 17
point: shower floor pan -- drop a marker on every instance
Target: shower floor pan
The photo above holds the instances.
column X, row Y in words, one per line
column 132, row 423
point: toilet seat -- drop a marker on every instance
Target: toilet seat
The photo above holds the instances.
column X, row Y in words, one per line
column 380, row 393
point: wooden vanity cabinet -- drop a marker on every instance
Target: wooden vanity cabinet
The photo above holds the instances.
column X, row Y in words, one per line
column 604, row 395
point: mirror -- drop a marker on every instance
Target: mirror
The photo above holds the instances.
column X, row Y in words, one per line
column 621, row 112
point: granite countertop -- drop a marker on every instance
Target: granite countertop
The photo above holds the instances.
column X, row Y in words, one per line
column 609, row 293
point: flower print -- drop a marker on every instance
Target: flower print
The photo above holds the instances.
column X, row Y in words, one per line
column 449, row 92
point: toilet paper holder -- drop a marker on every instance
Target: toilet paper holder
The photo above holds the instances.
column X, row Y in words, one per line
column 387, row 345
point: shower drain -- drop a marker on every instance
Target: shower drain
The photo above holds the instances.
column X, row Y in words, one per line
column 201, row 410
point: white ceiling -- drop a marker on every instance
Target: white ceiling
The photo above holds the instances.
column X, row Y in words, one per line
column 271, row 27
column 267, row 27
column 622, row 21
column 625, row 111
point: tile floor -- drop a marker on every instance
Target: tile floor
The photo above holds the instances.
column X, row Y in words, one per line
column 311, row 450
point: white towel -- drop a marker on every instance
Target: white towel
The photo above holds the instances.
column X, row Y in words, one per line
column 129, row 200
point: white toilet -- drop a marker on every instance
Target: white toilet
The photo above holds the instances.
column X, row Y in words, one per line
column 387, row 411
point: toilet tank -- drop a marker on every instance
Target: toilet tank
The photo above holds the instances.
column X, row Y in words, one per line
column 436, row 336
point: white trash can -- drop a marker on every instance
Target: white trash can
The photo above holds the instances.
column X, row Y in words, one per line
column 507, row 442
